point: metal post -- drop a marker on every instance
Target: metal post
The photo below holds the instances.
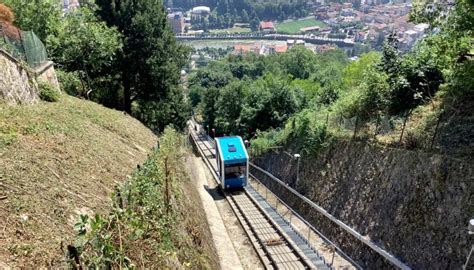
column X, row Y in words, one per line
column 333, row 253
column 309, row 235
column 297, row 157
column 23, row 47
column 470, row 228
column 464, row 267
column 3, row 34
column 298, row 171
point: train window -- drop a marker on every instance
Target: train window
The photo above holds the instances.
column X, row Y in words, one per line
column 235, row 170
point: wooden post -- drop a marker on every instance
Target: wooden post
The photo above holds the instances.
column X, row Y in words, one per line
column 355, row 128
column 376, row 127
column 436, row 131
column 403, row 128
column 167, row 191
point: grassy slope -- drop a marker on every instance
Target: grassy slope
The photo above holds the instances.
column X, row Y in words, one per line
column 145, row 231
column 58, row 160
column 295, row 26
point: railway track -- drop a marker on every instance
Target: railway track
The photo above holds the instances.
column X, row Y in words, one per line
column 275, row 249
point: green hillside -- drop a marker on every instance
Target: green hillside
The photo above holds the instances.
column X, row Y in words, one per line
column 62, row 160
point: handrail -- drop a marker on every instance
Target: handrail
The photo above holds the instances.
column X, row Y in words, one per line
column 391, row 258
column 325, row 239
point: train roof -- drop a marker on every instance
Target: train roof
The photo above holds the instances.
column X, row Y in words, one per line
column 232, row 149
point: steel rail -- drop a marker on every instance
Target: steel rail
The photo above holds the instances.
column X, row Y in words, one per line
column 198, row 140
column 262, row 243
column 325, row 239
column 391, row 258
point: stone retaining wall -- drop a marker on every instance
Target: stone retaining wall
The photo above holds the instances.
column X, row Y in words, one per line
column 415, row 205
column 19, row 83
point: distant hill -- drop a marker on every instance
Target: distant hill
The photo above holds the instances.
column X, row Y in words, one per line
column 243, row 10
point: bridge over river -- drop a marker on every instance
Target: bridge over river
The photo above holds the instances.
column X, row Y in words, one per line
column 257, row 36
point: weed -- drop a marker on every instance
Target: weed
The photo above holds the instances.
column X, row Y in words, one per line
column 48, row 93
column 7, row 137
column 32, row 128
column 70, row 83
column 145, row 216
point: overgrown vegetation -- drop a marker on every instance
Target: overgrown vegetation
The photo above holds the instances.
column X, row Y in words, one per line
column 245, row 93
column 119, row 53
column 306, row 99
column 47, row 92
column 147, row 227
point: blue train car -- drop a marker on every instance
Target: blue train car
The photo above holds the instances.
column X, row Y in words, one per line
column 232, row 162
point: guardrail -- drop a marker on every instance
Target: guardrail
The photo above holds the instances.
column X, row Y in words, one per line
column 311, row 227
column 391, row 258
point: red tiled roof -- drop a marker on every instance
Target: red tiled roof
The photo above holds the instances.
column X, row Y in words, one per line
column 281, row 49
column 267, row 25
column 242, row 48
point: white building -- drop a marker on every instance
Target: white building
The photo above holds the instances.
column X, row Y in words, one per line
column 201, row 11
column 69, row 5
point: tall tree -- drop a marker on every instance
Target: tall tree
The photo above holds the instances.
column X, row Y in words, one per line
column 245, row 16
column 84, row 44
column 151, row 60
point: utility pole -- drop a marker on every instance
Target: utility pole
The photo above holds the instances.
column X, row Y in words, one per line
column 297, row 157
column 470, row 228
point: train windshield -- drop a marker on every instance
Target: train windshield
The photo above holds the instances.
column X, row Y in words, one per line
column 235, row 170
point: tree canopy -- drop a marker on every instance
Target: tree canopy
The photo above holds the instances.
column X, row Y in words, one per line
column 151, row 61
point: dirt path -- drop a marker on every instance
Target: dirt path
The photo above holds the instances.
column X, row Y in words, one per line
column 233, row 247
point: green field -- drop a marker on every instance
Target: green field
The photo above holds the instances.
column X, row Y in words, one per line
column 295, row 26
column 233, row 30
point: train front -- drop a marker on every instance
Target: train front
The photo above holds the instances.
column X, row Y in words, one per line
column 232, row 161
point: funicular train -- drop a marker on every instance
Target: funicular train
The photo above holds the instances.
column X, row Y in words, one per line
column 232, row 162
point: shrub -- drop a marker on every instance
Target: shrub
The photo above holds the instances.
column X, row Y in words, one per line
column 70, row 82
column 147, row 217
column 48, row 93
column 6, row 14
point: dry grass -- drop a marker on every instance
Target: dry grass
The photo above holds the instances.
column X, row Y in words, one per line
column 58, row 160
